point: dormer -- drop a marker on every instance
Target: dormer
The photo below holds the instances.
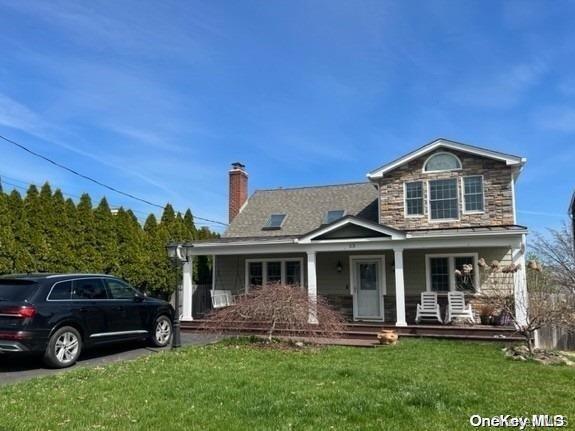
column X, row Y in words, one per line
column 447, row 184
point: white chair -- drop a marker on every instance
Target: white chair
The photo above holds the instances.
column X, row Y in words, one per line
column 221, row 298
column 456, row 308
column 429, row 308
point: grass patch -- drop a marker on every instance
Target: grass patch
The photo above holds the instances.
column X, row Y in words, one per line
column 418, row 384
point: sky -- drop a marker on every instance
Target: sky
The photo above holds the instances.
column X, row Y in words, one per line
column 158, row 98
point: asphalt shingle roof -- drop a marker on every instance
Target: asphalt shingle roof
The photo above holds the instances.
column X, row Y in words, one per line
column 305, row 208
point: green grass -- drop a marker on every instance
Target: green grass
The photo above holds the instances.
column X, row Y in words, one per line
column 416, row 385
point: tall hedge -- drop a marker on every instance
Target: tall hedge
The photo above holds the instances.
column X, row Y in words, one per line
column 44, row 232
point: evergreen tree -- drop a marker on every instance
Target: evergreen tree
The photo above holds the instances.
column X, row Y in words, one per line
column 189, row 223
column 7, row 241
column 59, row 235
column 35, row 241
column 88, row 257
column 23, row 261
column 131, row 248
column 106, row 242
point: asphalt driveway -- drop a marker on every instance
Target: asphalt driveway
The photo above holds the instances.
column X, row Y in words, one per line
column 16, row 369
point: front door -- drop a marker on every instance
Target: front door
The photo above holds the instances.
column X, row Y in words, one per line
column 368, row 299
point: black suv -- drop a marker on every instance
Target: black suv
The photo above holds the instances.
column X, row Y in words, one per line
column 60, row 314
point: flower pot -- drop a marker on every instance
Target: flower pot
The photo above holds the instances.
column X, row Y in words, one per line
column 387, row 336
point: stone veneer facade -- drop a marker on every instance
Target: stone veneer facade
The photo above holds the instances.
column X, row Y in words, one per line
column 497, row 189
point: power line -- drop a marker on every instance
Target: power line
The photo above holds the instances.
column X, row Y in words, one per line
column 17, row 186
column 88, row 178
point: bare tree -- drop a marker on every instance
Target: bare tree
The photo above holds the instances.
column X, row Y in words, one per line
column 278, row 307
column 557, row 253
column 545, row 304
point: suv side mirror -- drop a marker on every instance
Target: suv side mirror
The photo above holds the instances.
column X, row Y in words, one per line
column 138, row 297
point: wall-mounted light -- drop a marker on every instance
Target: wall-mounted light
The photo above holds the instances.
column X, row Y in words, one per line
column 339, row 267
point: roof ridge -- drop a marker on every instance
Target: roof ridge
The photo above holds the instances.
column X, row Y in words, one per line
column 311, row 187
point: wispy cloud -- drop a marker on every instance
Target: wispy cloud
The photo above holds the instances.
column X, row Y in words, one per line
column 556, row 118
column 502, row 88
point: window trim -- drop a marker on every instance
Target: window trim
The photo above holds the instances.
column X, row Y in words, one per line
column 451, row 264
column 442, row 220
column 268, row 220
column 463, row 209
column 264, row 262
column 423, row 169
column 406, row 215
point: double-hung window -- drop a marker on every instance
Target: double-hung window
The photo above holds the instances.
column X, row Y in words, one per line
column 269, row 271
column 443, row 202
column 473, row 194
column 456, row 272
column 414, row 198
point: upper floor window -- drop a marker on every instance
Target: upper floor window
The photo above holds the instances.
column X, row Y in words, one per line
column 414, row 198
column 473, row 194
column 275, row 221
column 443, row 202
column 333, row 215
column 442, row 162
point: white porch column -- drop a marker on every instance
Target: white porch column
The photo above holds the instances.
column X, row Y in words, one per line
column 312, row 287
column 188, row 289
column 520, row 285
column 399, row 288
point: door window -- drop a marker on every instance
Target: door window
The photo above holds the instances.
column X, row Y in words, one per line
column 88, row 288
column 120, row 290
column 367, row 276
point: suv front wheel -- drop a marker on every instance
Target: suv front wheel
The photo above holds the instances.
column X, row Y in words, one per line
column 64, row 348
column 162, row 332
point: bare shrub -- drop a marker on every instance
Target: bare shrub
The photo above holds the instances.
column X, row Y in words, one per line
column 545, row 305
column 278, row 307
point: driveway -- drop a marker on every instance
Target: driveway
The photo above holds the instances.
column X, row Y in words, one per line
column 16, row 369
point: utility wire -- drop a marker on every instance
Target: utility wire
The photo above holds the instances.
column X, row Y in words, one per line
column 88, row 178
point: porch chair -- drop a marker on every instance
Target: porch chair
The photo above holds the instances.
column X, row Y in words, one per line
column 221, row 298
column 429, row 308
column 456, row 307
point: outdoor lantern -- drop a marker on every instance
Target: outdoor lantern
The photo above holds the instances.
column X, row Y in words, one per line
column 339, row 267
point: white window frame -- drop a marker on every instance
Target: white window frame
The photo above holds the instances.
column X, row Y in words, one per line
column 463, row 209
column 443, row 170
column 442, row 220
column 264, row 263
column 451, row 265
column 405, row 199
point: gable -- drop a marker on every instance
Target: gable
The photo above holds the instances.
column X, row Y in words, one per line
column 350, row 231
column 439, row 145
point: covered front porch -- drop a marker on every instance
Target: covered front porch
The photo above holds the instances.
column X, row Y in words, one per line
column 369, row 279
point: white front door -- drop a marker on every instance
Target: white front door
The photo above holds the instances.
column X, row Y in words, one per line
column 367, row 286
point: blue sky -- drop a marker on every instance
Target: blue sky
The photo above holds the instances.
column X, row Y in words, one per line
column 159, row 97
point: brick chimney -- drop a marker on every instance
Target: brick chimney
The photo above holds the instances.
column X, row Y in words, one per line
column 238, row 189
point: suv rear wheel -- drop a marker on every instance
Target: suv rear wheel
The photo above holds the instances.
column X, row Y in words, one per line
column 162, row 332
column 64, row 348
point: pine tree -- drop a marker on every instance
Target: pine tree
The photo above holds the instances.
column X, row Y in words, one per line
column 59, row 235
column 88, row 257
column 189, row 223
column 7, row 240
column 106, row 242
column 131, row 257
column 23, row 261
column 35, row 241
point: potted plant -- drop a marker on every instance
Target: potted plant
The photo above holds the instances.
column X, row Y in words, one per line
column 486, row 314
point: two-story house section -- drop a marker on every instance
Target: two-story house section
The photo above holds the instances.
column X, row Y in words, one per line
column 419, row 223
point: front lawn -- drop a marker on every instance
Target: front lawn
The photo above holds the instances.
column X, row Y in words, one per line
column 418, row 384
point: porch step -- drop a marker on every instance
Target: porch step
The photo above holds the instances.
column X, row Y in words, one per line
column 367, row 332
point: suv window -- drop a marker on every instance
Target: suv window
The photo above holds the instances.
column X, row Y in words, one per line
column 88, row 288
column 61, row 291
column 16, row 290
column 120, row 290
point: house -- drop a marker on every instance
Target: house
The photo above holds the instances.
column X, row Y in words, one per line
column 371, row 248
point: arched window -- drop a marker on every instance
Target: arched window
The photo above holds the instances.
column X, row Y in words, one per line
column 442, row 162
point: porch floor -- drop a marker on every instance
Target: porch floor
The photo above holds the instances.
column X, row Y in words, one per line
column 368, row 330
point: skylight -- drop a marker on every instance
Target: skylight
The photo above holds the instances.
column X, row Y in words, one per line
column 333, row 215
column 275, row 221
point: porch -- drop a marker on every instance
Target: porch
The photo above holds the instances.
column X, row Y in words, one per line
column 369, row 280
